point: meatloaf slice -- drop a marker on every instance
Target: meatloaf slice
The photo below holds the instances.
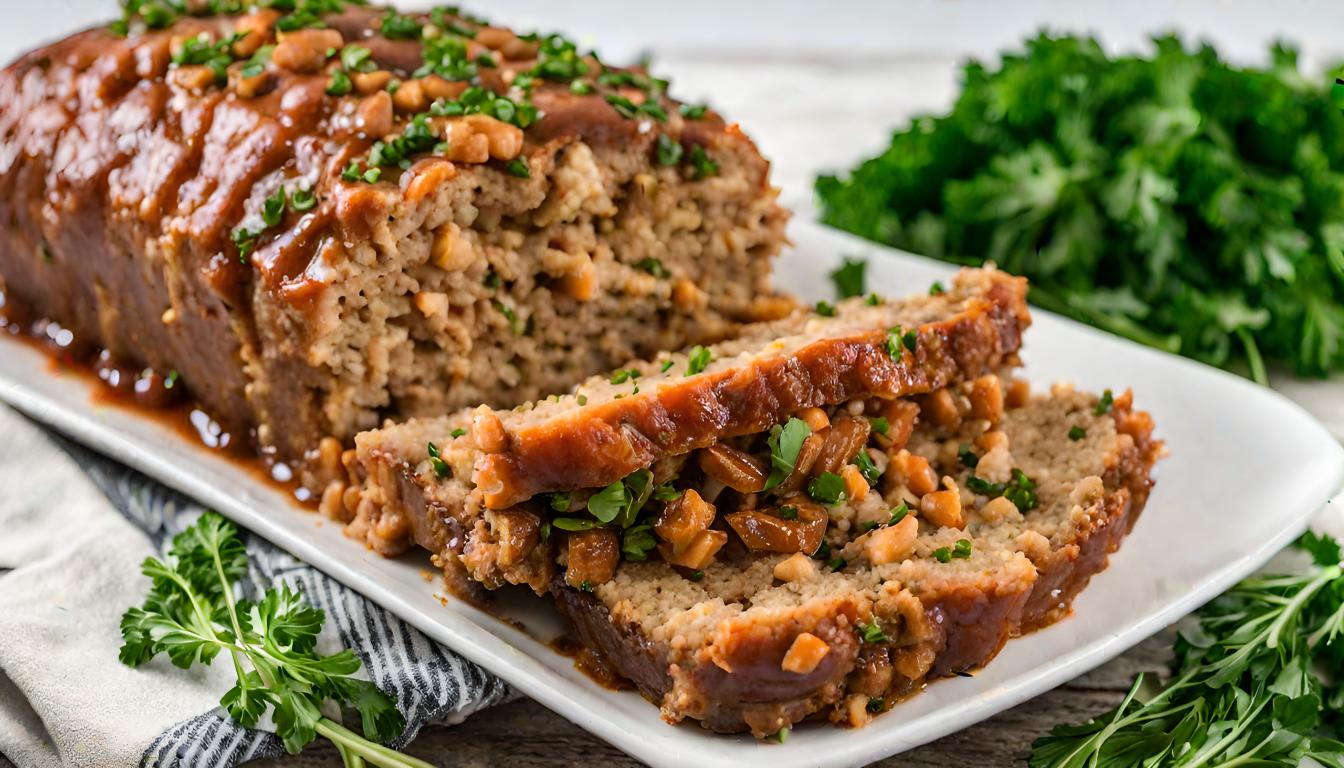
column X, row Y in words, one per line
column 477, row 488
column 319, row 219
column 1032, row 505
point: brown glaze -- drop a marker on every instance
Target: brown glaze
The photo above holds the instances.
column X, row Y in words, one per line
column 121, row 187
column 150, row 395
column 597, row 445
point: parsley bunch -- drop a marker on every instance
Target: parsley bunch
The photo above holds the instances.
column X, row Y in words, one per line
column 1256, row 683
column 192, row 615
column 1173, row 199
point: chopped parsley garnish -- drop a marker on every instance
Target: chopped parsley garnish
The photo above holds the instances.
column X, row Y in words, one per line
column 586, row 585
column 446, row 56
column 357, row 58
column 1020, row 489
column 785, row 442
column 669, row 149
column 695, row 575
column 702, row 165
column 436, row 462
column 825, row 309
column 960, row 551
column 653, row 267
column 581, row 87
column 666, row 492
column 576, row 523
column 879, row 425
column 788, row 512
column 823, row 551
column 868, row 525
column 1104, row 403
column 581, row 399
column 873, row 300
column 201, row 51
column 558, row 59
column 871, row 633
column 622, row 501
column 827, row 488
column 257, row 64
column 876, row 705
column 898, row 338
column 850, row 277
column 1077, row 433
column 630, row 110
column 898, row 514
column 937, row 289
column 171, row 379
column 693, row 111
column 836, row 563
column 666, row 366
column 518, row 167
column 339, row 84
column 623, row 375
column 516, row 324
column 782, row 735
column 480, row 101
column 456, row 433
column 967, row 457
column 245, row 240
column 867, row 468
column 302, row 199
column 699, row 358
column 560, row 501
column 637, row 541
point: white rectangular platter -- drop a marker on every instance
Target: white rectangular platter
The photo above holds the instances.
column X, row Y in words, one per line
column 1246, row 471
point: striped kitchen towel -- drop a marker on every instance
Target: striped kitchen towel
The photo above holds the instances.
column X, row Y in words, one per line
column 74, row 527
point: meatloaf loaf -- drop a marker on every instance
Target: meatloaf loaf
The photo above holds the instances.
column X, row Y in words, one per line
column 478, row 488
column 327, row 215
column 808, row 521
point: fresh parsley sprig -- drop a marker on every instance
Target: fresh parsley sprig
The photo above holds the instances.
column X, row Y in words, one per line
column 192, row 615
column 1256, row 683
column 1173, row 198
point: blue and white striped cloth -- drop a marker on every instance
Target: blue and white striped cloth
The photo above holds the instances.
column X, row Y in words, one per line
column 62, row 607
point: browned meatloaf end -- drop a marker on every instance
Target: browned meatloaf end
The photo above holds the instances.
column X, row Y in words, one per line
column 761, row 643
column 322, row 221
column 475, row 488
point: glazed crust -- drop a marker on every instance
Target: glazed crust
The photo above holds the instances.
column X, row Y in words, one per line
column 597, row 445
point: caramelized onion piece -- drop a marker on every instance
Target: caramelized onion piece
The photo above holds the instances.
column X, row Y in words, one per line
column 683, row 519
column 517, row 531
column 766, row 531
column 698, row 553
column 736, row 469
column 900, row 415
column 592, row 557
column 846, row 436
column 802, row 466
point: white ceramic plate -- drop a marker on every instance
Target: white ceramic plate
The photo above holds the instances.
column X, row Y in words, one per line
column 1247, row 469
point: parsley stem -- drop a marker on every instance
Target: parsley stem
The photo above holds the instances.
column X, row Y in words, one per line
column 363, row 749
column 1253, row 359
column 1300, row 600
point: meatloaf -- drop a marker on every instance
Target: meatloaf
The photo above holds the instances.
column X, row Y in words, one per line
column 478, row 488
column 320, row 217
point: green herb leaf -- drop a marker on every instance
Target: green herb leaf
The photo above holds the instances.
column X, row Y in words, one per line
column 785, row 442
column 827, row 488
column 1104, row 403
column 699, row 358
column 850, row 277
column 1077, row 433
column 669, row 150
column 879, row 425
column 192, row 615
column 871, row 632
column 825, row 309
